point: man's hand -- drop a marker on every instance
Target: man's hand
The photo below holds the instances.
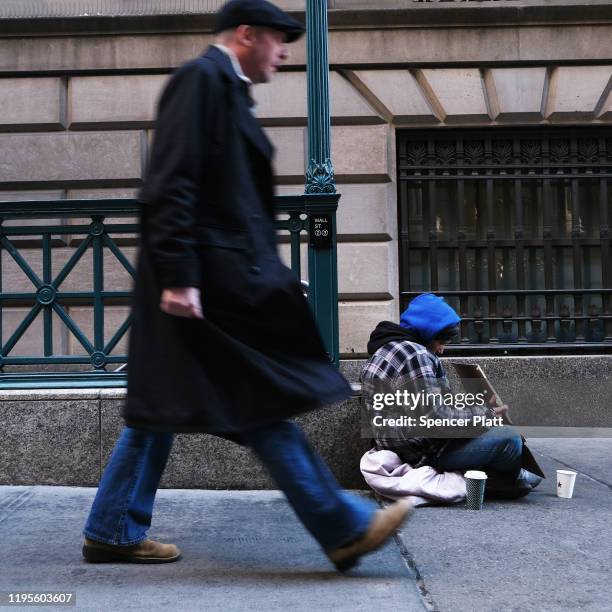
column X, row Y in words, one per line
column 501, row 410
column 182, row 302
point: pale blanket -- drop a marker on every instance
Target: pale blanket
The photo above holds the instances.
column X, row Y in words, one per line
column 388, row 476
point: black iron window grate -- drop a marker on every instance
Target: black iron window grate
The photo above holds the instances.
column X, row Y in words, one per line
column 512, row 227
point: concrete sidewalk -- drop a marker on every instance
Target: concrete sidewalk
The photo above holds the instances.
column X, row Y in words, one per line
column 540, row 553
column 246, row 551
column 241, row 551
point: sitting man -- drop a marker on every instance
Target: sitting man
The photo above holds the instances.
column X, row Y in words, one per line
column 405, row 356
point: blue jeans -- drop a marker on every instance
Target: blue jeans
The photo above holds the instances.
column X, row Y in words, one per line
column 123, row 506
column 498, row 450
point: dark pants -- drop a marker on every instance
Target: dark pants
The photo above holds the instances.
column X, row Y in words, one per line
column 497, row 452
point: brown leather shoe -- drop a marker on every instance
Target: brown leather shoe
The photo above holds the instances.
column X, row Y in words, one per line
column 381, row 528
column 147, row 551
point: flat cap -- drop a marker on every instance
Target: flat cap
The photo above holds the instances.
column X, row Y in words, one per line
column 257, row 13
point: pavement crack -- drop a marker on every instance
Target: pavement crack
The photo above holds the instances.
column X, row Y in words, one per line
column 9, row 505
column 424, row 594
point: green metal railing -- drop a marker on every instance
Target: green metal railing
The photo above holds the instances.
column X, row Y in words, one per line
column 88, row 232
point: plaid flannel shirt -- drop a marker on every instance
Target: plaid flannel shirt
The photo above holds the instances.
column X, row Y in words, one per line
column 401, row 364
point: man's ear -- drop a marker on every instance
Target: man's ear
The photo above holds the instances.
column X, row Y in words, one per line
column 246, row 35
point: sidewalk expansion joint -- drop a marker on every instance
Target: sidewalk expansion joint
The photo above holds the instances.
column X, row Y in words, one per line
column 424, row 594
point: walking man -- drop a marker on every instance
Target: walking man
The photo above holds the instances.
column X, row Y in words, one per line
column 222, row 339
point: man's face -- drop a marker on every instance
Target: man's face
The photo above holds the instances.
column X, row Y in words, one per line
column 268, row 50
column 436, row 347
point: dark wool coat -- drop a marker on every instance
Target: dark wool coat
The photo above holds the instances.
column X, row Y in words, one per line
column 207, row 221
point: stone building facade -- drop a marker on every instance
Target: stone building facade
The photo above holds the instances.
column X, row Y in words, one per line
column 471, row 144
column 79, row 81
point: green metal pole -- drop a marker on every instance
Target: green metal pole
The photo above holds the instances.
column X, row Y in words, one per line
column 320, row 183
column 320, row 172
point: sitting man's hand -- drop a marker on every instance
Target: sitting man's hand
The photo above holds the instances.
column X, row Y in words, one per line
column 182, row 302
column 501, row 410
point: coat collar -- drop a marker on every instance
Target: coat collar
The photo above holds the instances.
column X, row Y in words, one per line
column 235, row 63
column 248, row 124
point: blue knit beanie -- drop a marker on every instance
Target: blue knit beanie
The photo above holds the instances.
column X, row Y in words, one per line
column 427, row 315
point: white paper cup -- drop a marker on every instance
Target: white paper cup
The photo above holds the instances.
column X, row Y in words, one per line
column 474, row 488
column 565, row 483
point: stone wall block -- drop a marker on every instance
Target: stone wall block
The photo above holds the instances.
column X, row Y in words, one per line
column 399, row 93
column 94, row 53
column 459, row 92
column 208, row 462
column 361, row 150
column 49, row 442
column 519, row 93
column 563, row 42
column 69, row 157
column 576, row 90
column 284, row 101
column 30, row 104
column 401, row 45
column 450, row 45
column 356, row 150
column 364, row 269
column 551, row 391
column 107, row 101
column 289, row 143
column 363, row 209
column 347, row 104
column 358, row 320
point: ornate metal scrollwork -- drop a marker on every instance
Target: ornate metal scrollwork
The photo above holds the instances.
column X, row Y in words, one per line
column 502, row 151
column 445, row 151
column 474, row 151
column 588, row 149
column 559, row 149
column 320, row 177
column 531, row 150
column 416, row 152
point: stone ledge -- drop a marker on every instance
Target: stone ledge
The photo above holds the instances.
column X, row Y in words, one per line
column 361, row 48
column 112, row 16
column 61, row 439
column 59, row 436
column 48, row 395
column 43, row 9
column 102, row 393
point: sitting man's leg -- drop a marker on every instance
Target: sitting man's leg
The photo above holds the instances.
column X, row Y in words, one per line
column 121, row 512
column 498, row 450
column 345, row 526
